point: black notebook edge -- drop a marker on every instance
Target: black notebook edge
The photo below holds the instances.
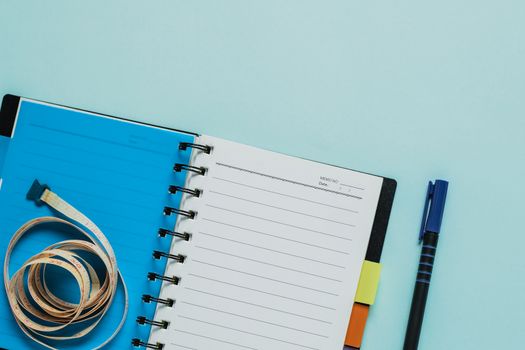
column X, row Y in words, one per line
column 9, row 110
column 379, row 226
column 8, row 113
column 381, row 219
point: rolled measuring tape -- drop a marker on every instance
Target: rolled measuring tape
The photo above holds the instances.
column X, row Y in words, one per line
column 42, row 315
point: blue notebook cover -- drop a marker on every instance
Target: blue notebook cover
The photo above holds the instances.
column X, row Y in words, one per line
column 115, row 172
column 4, row 146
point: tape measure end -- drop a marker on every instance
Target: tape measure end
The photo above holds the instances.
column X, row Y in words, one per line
column 36, row 191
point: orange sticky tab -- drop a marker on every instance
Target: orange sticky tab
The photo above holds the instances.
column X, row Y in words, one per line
column 356, row 326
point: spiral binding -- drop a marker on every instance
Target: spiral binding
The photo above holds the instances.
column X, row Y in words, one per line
column 139, row 343
column 205, row 148
column 149, row 299
column 157, row 254
column 174, row 189
column 187, row 213
column 163, row 233
column 152, row 276
column 179, row 258
column 178, row 167
column 143, row 320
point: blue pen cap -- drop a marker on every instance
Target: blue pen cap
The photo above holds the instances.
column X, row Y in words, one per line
column 434, row 207
column 437, row 206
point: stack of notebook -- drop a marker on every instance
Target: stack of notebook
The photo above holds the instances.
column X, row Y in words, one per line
column 257, row 249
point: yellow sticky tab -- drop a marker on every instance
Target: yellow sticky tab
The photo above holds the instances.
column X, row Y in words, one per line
column 368, row 281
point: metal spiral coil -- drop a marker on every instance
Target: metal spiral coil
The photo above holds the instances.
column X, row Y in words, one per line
column 143, row 321
column 139, row 343
column 151, row 299
column 187, row 213
column 157, row 254
column 185, row 145
column 152, row 276
column 174, row 189
column 178, row 167
column 164, row 232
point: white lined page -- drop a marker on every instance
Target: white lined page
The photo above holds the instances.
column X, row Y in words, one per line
column 275, row 255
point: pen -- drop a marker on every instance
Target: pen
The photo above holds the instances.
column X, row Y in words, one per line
column 429, row 234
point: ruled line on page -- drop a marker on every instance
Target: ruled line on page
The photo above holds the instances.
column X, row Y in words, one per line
column 287, row 180
column 284, row 194
column 258, row 305
column 280, row 208
column 214, row 339
column 75, row 191
column 247, row 332
column 279, row 222
column 266, row 263
column 255, row 319
column 95, row 210
column 271, row 250
column 261, row 291
column 264, row 277
column 277, row 236
column 352, row 186
column 98, row 139
column 274, row 254
column 91, row 166
column 90, row 179
column 98, row 154
column 183, row 346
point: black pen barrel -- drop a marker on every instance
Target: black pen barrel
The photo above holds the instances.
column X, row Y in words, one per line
column 417, row 309
column 415, row 320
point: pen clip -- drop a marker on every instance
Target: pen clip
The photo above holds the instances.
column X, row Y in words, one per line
column 428, row 198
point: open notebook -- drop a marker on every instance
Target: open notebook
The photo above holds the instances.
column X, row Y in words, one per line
column 269, row 248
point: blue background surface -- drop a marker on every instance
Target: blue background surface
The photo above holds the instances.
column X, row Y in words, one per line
column 408, row 89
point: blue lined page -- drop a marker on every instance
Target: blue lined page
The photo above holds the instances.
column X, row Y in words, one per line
column 115, row 172
column 4, row 146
